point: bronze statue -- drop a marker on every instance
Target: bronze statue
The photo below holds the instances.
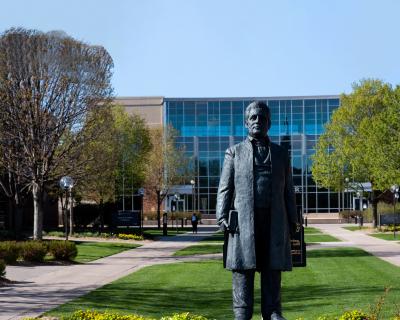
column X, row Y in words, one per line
column 256, row 207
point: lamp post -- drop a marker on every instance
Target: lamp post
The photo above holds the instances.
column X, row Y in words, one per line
column 395, row 190
column 192, row 182
column 141, row 194
column 346, row 181
column 358, row 193
column 66, row 184
column 176, row 199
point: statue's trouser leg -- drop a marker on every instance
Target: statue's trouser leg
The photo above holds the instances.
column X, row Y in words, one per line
column 270, row 293
column 243, row 292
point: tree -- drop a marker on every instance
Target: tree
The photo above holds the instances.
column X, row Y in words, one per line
column 167, row 165
column 120, row 154
column 383, row 148
column 352, row 144
column 48, row 84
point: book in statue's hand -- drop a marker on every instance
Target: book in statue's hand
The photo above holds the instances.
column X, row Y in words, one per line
column 233, row 225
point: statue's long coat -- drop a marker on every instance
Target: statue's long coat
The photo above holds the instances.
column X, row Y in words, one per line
column 237, row 180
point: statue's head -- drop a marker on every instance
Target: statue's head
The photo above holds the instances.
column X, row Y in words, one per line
column 258, row 119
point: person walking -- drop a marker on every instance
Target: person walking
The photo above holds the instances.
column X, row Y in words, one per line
column 195, row 221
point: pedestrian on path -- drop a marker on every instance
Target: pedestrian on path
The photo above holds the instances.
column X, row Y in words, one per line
column 195, row 221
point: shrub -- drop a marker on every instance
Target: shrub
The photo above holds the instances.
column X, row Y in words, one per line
column 184, row 316
column 60, row 234
column 349, row 214
column 63, row 250
column 95, row 315
column 2, row 269
column 9, row 251
column 150, row 215
column 390, row 228
column 354, row 315
column 125, row 236
column 33, row 250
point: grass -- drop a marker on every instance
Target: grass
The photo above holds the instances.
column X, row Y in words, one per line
column 89, row 251
column 215, row 246
column 217, row 237
column 172, row 231
column 314, row 235
column 355, row 228
column 311, row 230
column 311, row 235
column 386, row 236
column 200, row 249
column 316, row 238
column 335, row 280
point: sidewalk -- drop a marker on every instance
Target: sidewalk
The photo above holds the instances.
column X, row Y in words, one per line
column 386, row 250
column 38, row 289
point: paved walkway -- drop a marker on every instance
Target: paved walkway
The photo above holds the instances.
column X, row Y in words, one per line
column 38, row 289
column 386, row 250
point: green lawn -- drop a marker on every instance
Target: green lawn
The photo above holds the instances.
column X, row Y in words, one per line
column 200, row 249
column 314, row 235
column 217, row 237
column 312, row 238
column 89, row 251
column 215, row 246
column 172, row 231
column 355, row 228
column 311, row 230
column 335, row 280
column 386, row 236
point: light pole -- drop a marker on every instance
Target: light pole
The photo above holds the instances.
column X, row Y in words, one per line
column 395, row 190
column 66, row 184
column 141, row 194
column 176, row 199
column 346, row 181
column 192, row 182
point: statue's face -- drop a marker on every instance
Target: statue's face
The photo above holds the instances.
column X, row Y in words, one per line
column 257, row 123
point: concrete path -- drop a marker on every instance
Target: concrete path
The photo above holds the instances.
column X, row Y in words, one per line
column 386, row 250
column 37, row 289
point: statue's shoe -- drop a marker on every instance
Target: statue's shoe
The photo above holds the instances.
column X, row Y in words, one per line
column 277, row 316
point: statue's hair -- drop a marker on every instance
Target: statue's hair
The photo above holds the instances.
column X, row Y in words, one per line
column 259, row 105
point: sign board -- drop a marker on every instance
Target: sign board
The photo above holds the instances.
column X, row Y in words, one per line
column 386, row 219
column 126, row 218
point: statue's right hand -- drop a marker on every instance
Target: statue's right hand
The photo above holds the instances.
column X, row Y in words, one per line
column 224, row 225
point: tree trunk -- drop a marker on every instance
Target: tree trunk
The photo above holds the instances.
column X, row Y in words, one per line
column 37, row 212
column 101, row 207
column 158, row 209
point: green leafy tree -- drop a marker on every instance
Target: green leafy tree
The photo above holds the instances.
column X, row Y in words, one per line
column 167, row 165
column 134, row 144
column 116, row 159
column 382, row 134
column 352, row 143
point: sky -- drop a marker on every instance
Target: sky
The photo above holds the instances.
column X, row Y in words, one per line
column 228, row 48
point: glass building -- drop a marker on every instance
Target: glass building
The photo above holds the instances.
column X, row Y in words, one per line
column 207, row 127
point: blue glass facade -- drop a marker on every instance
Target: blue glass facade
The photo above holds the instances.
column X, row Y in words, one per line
column 207, row 127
